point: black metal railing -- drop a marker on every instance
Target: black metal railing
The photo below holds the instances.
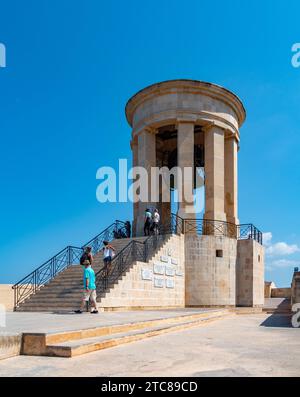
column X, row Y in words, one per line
column 216, row 228
column 115, row 231
column 134, row 251
column 70, row 255
column 249, row 232
column 143, row 250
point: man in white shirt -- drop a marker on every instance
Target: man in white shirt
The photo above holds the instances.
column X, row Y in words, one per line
column 156, row 220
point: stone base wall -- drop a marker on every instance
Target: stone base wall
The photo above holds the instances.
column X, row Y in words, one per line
column 7, row 296
column 281, row 293
column 250, row 273
column 269, row 285
column 158, row 283
column 295, row 290
column 210, row 270
column 10, row 345
column 193, row 271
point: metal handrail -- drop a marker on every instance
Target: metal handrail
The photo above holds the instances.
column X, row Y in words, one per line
column 68, row 256
column 133, row 251
column 123, row 260
column 107, row 276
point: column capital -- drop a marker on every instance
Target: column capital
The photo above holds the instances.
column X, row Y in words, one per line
column 133, row 142
column 229, row 134
column 185, row 120
column 209, row 126
column 145, row 128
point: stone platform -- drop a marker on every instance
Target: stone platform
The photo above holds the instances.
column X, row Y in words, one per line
column 33, row 333
column 247, row 345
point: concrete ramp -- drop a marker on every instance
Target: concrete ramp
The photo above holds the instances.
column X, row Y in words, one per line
column 277, row 305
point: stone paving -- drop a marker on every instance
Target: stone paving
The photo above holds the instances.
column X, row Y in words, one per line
column 243, row 345
column 53, row 322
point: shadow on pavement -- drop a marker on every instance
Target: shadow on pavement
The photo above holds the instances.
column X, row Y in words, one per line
column 277, row 320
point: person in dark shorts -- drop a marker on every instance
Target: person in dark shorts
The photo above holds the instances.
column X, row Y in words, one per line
column 147, row 222
column 87, row 257
column 108, row 254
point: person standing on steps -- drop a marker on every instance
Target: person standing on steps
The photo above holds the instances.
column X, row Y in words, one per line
column 147, row 222
column 108, row 254
column 128, row 229
column 87, row 257
column 89, row 289
column 156, row 220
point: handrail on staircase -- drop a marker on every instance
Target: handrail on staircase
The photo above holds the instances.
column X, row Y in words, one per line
column 135, row 251
column 68, row 256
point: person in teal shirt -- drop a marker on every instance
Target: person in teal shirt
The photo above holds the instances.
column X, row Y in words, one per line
column 89, row 290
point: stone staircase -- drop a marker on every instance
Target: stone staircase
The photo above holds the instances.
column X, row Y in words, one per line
column 81, row 341
column 64, row 292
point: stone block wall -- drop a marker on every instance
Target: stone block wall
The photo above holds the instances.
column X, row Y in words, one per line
column 281, row 293
column 295, row 290
column 210, row 270
column 7, row 296
column 194, row 271
column 269, row 285
column 250, row 273
column 158, row 283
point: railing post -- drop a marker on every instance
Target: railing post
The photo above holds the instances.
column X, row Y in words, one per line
column 15, row 297
column 145, row 251
column 182, row 225
column 34, row 282
column 69, row 256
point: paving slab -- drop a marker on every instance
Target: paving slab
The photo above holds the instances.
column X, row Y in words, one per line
column 19, row 322
column 248, row 345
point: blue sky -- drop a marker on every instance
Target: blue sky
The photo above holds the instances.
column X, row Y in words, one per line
column 71, row 67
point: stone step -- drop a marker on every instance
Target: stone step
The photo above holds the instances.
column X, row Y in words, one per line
column 69, row 286
column 68, row 297
column 44, row 309
column 65, row 289
column 74, row 343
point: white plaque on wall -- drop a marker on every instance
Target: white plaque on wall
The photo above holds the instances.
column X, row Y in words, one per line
column 147, row 274
column 164, row 258
column 174, row 261
column 159, row 282
column 170, row 283
column 158, row 268
column 170, row 271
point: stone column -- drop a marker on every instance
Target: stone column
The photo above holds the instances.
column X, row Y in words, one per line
column 214, row 174
column 185, row 158
column 146, row 159
column 165, row 213
column 231, row 182
column 134, row 148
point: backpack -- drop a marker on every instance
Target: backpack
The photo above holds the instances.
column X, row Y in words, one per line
column 84, row 258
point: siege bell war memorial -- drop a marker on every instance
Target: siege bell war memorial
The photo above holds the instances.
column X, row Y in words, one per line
column 211, row 262
column 194, row 271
